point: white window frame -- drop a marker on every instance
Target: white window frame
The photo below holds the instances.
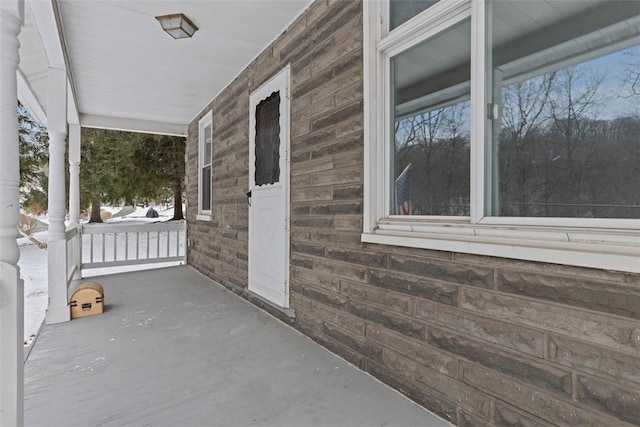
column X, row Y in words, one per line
column 599, row 243
column 207, row 120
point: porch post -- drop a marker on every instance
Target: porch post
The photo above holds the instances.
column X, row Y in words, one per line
column 58, row 310
column 74, row 193
column 11, row 286
column 74, row 174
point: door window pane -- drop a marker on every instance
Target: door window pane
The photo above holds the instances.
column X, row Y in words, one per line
column 565, row 119
column 400, row 11
column 267, row 140
column 431, row 135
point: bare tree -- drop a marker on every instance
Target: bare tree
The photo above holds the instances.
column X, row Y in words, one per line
column 575, row 102
column 457, row 152
column 436, row 143
column 523, row 117
column 630, row 77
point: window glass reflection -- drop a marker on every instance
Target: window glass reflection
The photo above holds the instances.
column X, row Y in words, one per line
column 400, row 11
column 566, row 138
column 431, row 134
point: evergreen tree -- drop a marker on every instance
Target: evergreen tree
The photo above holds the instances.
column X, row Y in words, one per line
column 160, row 164
column 97, row 170
column 34, row 155
column 132, row 168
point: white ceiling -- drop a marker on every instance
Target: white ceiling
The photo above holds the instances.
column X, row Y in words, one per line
column 129, row 74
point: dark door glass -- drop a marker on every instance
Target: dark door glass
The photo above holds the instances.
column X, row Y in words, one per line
column 268, row 140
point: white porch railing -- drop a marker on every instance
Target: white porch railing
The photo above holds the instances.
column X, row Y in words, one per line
column 113, row 245
column 74, row 254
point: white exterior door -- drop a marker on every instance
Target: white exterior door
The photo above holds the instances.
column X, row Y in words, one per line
column 269, row 190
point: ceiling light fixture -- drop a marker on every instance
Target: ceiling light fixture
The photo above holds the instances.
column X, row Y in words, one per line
column 177, row 25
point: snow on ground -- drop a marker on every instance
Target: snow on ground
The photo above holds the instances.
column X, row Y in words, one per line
column 33, row 264
column 33, row 269
column 139, row 214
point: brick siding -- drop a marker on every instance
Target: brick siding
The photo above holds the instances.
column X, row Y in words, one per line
column 480, row 341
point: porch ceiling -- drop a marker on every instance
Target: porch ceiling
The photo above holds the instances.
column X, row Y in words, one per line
column 129, row 74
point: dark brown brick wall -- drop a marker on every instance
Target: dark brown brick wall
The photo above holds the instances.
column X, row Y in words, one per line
column 480, row 341
column 220, row 249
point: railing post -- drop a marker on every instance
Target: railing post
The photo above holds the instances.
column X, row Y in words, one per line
column 58, row 310
column 183, row 233
column 11, row 286
column 77, row 252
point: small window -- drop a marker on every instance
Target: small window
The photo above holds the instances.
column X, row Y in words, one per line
column 205, row 154
column 268, row 140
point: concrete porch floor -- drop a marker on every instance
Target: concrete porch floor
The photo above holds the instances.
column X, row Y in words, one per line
column 174, row 348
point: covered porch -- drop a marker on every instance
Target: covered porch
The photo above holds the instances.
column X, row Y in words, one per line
column 175, row 348
column 104, row 64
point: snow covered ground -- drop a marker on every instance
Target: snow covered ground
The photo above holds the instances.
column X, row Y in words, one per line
column 33, row 264
column 33, row 269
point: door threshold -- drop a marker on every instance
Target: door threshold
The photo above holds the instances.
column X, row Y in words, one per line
column 252, row 296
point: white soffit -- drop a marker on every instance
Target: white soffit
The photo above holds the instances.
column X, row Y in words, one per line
column 126, row 70
column 32, row 70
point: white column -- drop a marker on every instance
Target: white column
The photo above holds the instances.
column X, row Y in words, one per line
column 74, row 193
column 11, row 286
column 58, row 310
column 74, row 174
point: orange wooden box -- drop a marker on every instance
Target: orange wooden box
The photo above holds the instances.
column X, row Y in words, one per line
column 87, row 300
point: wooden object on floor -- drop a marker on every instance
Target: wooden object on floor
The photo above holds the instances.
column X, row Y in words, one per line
column 87, row 300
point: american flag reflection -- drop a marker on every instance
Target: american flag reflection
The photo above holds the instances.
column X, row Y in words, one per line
column 403, row 192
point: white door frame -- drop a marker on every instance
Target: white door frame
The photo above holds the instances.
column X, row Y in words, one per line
column 280, row 82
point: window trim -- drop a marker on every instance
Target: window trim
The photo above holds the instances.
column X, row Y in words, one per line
column 597, row 243
column 206, row 120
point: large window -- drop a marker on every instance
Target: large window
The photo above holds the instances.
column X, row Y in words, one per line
column 505, row 127
column 205, row 154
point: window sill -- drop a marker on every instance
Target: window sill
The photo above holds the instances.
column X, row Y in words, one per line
column 203, row 217
column 606, row 249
